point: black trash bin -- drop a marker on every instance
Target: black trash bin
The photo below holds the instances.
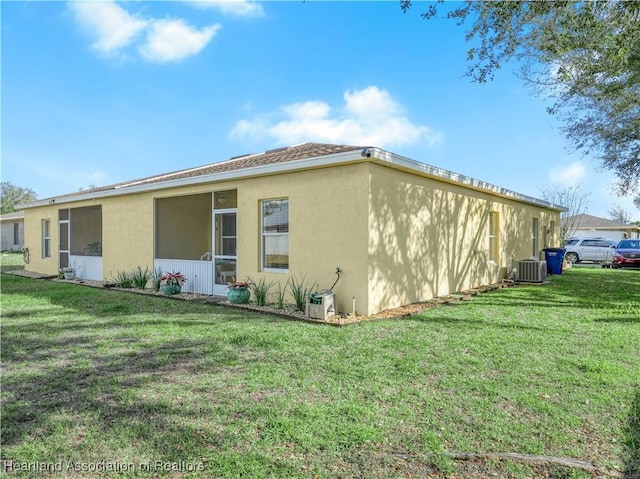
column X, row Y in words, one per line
column 554, row 258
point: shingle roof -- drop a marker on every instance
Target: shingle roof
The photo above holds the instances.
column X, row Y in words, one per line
column 15, row 215
column 269, row 157
column 307, row 155
column 584, row 221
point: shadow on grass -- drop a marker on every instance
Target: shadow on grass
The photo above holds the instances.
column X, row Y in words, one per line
column 109, row 361
column 584, row 289
column 476, row 323
column 632, row 440
column 98, row 303
column 126, row 391
column 620, row 319
column 172, row 402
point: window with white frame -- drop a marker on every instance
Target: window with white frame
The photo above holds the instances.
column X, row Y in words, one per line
column 534, row 238
column 275, row 234
column 46, row 238
column 494, row 228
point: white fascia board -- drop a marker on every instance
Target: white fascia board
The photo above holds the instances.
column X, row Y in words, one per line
column 377, row 155
column 455, row 178
column 264, row 170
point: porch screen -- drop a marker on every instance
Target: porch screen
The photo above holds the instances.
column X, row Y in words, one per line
column 183, row 227
column 86, row 231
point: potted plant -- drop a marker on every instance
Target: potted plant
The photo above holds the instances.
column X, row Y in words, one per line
column 172, row 282
column 239, row 292
column 68, row 272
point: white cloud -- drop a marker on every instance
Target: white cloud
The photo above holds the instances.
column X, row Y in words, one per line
column 237, row 8
column 173, row 40
column 369, row 117
column 113, row 27
column 571, row 175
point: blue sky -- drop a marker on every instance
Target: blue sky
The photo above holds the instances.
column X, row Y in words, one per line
column 94, row 93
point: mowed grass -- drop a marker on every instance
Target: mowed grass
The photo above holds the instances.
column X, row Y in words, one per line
column 11, row 260
column 95, row 380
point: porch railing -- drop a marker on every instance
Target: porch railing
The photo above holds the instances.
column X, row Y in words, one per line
column 199, row 273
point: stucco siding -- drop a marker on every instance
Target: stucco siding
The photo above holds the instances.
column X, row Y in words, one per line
column 33, row 239
column 127, row 233
column 327, row 229
column 429, row 238
column 398, row 237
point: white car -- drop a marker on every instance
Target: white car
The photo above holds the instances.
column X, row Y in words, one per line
column 589, row 249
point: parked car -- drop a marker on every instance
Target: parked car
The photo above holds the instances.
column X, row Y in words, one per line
column 589, row 249
column 627, row 254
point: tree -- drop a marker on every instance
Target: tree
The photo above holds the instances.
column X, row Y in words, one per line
column 582, row 55
column 574, row 200
column 619, row 214
column 11, row 195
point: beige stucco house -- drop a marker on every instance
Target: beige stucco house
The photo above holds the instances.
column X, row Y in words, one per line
column 399, row 230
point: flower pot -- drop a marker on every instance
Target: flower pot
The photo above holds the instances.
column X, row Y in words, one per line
column 69, row 275
column 170, row 289
column 239, row 295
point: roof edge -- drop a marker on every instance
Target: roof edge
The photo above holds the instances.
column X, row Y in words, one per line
column 374, row 154
column 456, row 178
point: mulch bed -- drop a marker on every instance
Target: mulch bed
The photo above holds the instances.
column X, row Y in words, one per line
column 289, row 311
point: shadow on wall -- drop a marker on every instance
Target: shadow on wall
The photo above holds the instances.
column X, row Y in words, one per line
column 429, row 241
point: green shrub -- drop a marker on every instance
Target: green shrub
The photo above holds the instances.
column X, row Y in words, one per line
column 300, row 290
column 260, row 290
column 122, row 279
column 155, row 280
column 281, row 293
column 140, row 277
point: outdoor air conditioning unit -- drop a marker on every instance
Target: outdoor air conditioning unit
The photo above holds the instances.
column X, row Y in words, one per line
column 531, row 271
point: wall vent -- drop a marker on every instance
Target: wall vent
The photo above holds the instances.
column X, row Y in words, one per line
column 531, row 271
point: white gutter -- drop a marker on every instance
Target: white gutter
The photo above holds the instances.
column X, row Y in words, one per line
column 377, row 155
column 455, row 178
column 263, row 170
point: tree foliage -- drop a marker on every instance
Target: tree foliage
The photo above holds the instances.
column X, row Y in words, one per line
column 619, row 214
column 582, row 55
column 574, row 199
column 11, row 195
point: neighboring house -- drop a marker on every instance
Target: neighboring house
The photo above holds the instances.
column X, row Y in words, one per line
column 587, row 226
column 399, row 230
column 12, row 231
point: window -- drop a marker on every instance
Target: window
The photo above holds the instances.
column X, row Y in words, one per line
column 534, row 238
column 16, row 233
column 275, row 235
column 493, row 236
column 46, row 238
column 597, row 243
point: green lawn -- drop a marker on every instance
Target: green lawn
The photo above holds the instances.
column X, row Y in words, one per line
column 11, row 260
column 153, row 387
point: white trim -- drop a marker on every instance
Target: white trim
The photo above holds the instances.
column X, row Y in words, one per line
column 263, row 235
column 378, row 156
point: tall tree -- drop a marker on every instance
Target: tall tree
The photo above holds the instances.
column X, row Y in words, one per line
column 583, row 55
column 11, row 195
column 574, row 200
column 619, row 214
